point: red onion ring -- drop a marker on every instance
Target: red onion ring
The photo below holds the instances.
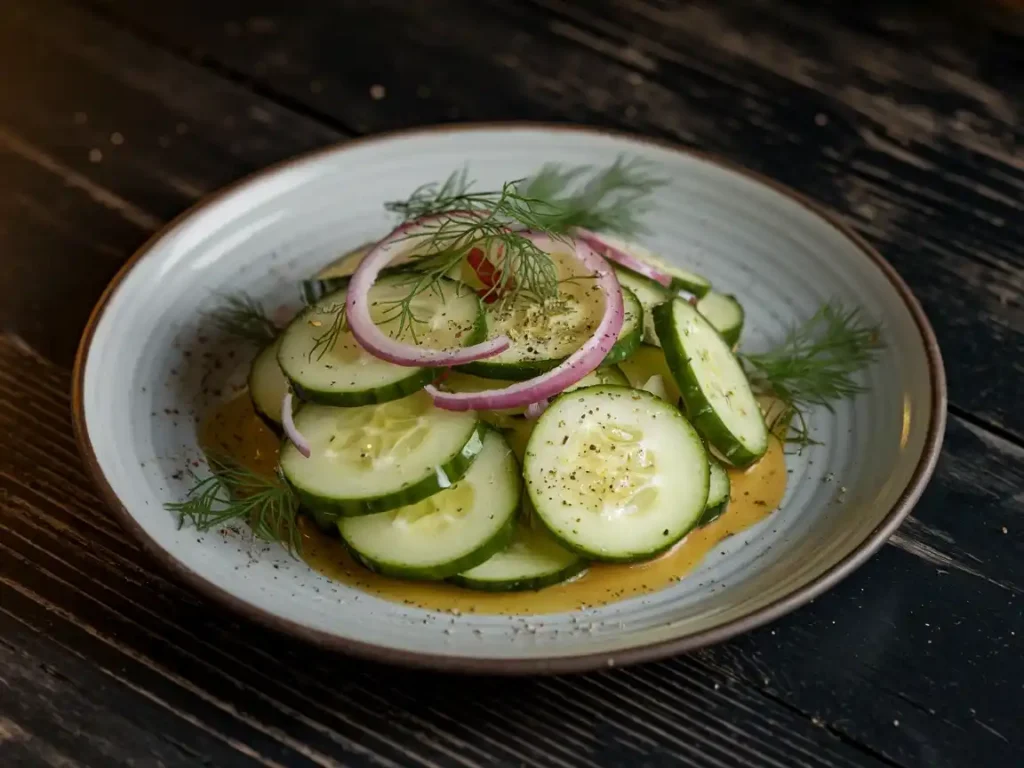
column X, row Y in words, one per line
column 573, row 368
column 290, row 431
column 534, row 410
column 372, row 338
column 614, row 253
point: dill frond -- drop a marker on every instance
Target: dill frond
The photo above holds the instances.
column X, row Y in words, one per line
column 242, row 317
column 612, row 200
column 234, row 493
column 815, row 365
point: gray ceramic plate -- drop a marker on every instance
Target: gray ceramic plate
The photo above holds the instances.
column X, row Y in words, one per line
column 141, row 383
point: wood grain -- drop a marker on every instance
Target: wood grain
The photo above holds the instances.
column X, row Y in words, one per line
column 913, row 661
column 913, row 137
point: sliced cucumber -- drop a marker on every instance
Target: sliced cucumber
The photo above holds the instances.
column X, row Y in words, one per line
column 607, row 374
column 682, row 279
column 452, row 531
column 268, row 385
column 544, row 333
column 724, row 313
column 313, row 290
column 379, row 457
column 718, row 491
column 718, row 494
column 336, row 275
column 649, row 293
column 517, row 433
column 715, row 390
column 616, row 474
column 344, row 374
column 532, row 560
column 457, row 381
column 646, row 362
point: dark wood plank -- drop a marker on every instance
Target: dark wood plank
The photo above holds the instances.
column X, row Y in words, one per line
column 824, row 687
column 106, row 121
column 912, row 135
column 68, row 575
column 866, row 664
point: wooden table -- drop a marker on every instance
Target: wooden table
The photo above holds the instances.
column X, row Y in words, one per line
column 116, row 115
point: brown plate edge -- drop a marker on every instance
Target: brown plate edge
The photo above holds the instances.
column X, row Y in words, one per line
column 562, row 664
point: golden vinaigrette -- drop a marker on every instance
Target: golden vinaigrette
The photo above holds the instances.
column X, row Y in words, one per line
column 235, row 429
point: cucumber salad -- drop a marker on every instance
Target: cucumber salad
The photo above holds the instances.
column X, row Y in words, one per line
column 507, row 388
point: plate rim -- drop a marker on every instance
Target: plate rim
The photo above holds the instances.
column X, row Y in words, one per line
column 538, row 665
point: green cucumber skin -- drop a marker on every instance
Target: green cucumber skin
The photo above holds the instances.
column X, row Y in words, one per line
column 312, row 291
column 721, row 499
column 701, row 414
column 268, row 422
column 676, row 283
column 518, row 371
column 316, row 288
column 711, row 514
column 394, row 391
column 492, row 546
column 454, row 469
column 525, row 584
column 326, row 523
column 272, row 424
column 639, row 557
column 700, row 290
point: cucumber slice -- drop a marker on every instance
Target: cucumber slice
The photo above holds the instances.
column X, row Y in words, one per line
column 452, row 531
column 649, row 293
column 718, row 494
column 682, row 279
column 532, row 560
column 724, row 313
column 646, row 362
column 715, row 390
column 616, row 474
column 379, row 457
column 608, row 374
column 657, row 386
column 267, row 385
column 345, row 374
column 457, row 381
column 312, row 291
column 544, row 333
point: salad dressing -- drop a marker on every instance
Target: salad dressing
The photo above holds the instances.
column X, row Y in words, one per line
column 234, row 429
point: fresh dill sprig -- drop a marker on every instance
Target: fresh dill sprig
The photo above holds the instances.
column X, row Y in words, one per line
column 815, row 365
column 233, row 492
column 612, row 200
column 326, row 340
column 242, row 317
column 523, row 269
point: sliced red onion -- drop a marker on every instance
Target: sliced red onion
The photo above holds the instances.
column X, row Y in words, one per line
column 573, row 368
column 290, row 431
column 357, row 305
column 534, row 410
column 611, row 250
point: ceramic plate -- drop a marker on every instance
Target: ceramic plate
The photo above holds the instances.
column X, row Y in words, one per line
column 146, row 373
